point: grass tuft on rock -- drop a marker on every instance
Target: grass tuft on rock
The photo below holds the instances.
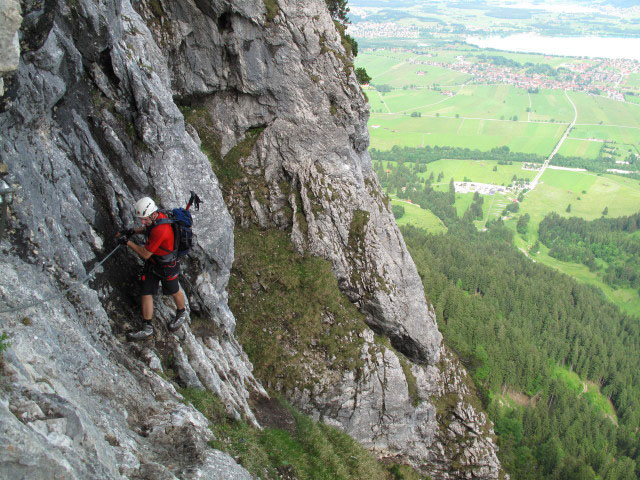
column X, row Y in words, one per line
column 272, row 8
column 311, row 451
column 227, row 168
column 293, row 321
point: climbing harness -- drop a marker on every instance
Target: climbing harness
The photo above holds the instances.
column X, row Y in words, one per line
column 58, row 295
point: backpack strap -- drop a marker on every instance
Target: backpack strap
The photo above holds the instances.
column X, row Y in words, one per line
column 170, row 256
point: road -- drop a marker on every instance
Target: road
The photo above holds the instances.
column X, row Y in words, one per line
column 534, row 182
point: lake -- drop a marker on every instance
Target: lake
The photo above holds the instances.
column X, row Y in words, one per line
column 604, row 47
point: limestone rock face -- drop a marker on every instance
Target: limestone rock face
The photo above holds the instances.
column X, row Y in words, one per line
column 94, row 119
column 290, row 77
column 9, row 48
column 90, row 126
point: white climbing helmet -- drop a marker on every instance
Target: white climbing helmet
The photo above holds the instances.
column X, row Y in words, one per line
column 145, row 207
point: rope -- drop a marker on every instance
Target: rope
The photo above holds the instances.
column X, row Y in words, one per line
column 58, row 295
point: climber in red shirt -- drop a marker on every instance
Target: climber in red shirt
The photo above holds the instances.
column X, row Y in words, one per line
column 161, row 265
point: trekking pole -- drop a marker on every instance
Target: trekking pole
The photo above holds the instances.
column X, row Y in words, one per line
column 193, row 199
column 58, row 295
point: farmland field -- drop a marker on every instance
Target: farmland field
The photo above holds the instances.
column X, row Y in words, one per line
column 620, row 135
column 497, row 102
column 548, row 105
column 476, row 171
column 403, row 130
column 405, row 73
column 560, row 188
column 399, row 101
column 577, row 147
column 594, row 109
column 633, row 81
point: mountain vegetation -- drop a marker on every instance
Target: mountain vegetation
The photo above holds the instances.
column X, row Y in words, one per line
column 428, row 154
column 606, row 244
column 515, row 324
column 292, row 445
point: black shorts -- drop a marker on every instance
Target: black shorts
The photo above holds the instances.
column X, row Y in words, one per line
column 155, row 273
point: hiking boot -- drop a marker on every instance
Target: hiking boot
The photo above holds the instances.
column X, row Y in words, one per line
column 144, row 333
column 178, row 320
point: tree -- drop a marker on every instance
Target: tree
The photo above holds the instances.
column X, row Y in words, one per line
column 605, row 211
column 362, row 76
column 338, row 10
column 568, row 210
column 523, row 224
column 398, row 211
column 535, row 248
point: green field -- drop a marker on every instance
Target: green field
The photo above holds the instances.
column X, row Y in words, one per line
column 404, row 74
column 377, row 63
column 476, row 171
column 401, row 129
column 399, row 101
column 632, row 99
column 419, row 217
column 578, row 147
column 593, row 109
column 550, row 105
column 400, row 69
column 497, row 102
column 560, row 188
column 628, row 136
column 482, row 117
column 633, row 81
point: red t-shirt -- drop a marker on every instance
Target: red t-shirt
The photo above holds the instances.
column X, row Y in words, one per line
column 160, row 240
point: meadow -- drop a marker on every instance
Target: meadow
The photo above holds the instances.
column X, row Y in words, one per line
column 579, row 147
column 419, row 217
column 388, row 130
column 632, row 98
column 588, row 390
column 620, row 135
column 593, row 109
column 550, row 106
column 412, row 73
column 633, row 81
column 486, row 116
column 587, row 193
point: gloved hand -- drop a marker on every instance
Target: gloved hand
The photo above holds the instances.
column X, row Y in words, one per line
column 122, row 240
column 127, row 232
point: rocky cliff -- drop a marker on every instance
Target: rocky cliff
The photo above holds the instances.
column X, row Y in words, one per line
column 255, row 106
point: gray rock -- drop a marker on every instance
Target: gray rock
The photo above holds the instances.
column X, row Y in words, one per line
column 10, row 20
column 92, row 122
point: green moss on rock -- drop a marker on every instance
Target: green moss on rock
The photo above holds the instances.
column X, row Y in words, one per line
column 357, row 229
column 291, row 312
column 272, row 9
column 304, row 450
